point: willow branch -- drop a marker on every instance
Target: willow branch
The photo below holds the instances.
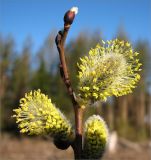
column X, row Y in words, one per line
column 60, row 42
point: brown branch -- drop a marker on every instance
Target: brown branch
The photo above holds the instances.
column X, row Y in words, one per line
column 60, row 42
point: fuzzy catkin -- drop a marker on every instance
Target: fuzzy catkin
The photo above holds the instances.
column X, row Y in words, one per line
column 37, row 115
column 109, row 69
column 95, row 137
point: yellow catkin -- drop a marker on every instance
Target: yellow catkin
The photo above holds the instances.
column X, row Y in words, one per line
column 95, row 137
column 110, row 69
column 37, row 115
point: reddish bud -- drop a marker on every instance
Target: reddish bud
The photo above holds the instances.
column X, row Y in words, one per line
column 69, row 15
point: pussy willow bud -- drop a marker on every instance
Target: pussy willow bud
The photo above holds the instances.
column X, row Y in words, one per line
column 109, row 69
column 95, row 137
column 69, row 15
column 37, row 115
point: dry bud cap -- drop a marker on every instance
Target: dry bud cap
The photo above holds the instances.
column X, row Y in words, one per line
column 69, row 15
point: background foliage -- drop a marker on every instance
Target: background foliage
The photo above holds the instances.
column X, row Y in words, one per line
column 22, row 72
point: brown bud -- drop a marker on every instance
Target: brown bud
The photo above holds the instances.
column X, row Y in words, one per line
column 69, row 15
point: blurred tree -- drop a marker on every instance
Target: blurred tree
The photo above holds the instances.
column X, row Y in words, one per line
column 121, row 33
column 6, row 58
column 141, row 92
column 41, row 77
column 120, row 103
column 50, row 54
column 20, row 82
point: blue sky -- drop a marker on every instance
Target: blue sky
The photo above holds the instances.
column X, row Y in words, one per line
column 37, row 18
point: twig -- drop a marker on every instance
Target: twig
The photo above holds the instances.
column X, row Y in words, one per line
column 60, row 42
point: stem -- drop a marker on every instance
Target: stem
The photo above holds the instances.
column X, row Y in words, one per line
column 77, row 146
column 60, row 41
